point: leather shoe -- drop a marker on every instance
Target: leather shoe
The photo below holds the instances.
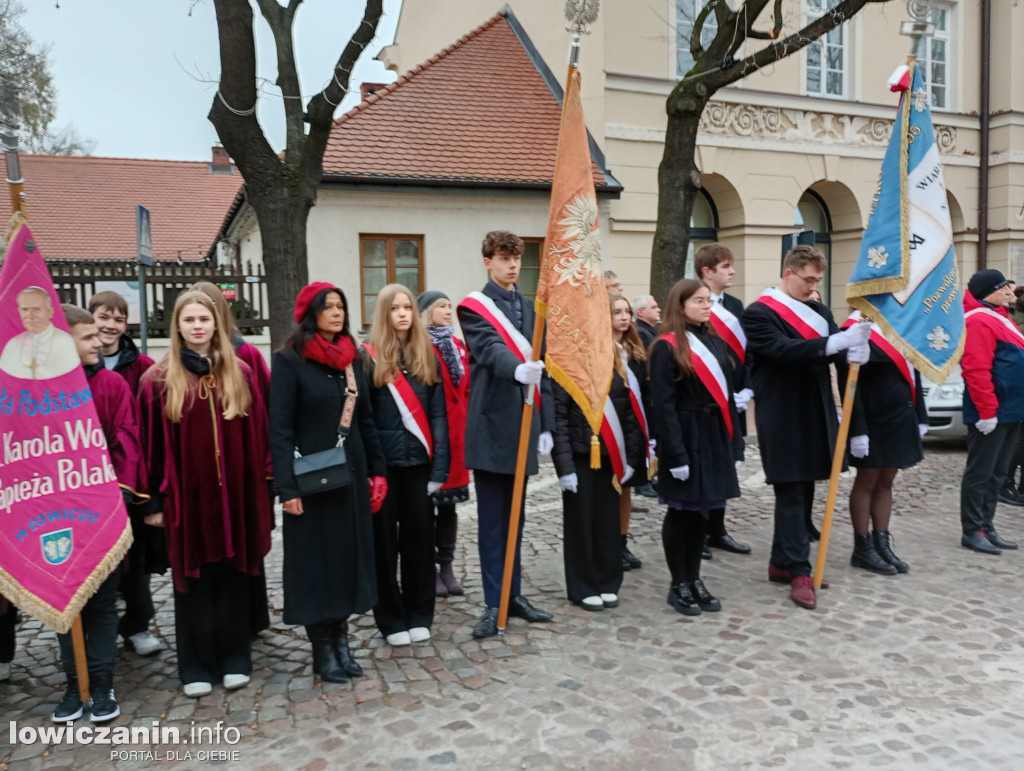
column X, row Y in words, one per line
column 680, row 597
column 998, row 541
column 726, row 543
column 704, row 598
column 1009, row 494
column 487, row 626
column 521, row 607
column 705, row 552
column 802, row 592
column 780, row 576
column 978, row 542
column 647, row 490
column 813, row 533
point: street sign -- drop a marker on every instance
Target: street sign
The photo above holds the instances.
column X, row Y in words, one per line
column 143, row 237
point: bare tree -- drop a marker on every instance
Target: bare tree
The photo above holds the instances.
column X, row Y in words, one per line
column 715, row 67
column 281, row 188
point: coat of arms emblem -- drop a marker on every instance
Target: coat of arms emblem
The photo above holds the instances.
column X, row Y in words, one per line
column 57, row 546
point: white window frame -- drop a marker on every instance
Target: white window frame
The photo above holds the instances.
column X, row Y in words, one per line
column 924, row 59
column 709, row 23
column 822, row 47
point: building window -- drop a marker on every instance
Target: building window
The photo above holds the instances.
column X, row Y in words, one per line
column 530, row 271
column 826, row 56
column 815, row 229
column 933, row 59
column 686, row 15
column 386, row 260
column 703, row 229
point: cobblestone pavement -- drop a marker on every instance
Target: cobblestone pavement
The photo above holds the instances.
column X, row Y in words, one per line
column 917, row 671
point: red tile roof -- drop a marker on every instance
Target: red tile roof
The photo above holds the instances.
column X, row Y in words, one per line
column 482, row 111
column 84, row 208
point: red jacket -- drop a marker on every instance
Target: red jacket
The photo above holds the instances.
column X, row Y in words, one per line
column 456, row 400
column 993, row 364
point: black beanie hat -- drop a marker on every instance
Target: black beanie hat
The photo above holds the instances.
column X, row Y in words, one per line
column 428, row 298
column 985, row 282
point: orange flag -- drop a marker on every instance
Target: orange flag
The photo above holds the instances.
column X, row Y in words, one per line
column 570, row 291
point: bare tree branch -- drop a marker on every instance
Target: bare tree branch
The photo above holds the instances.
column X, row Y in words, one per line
column 281, row 21
column 776, row 28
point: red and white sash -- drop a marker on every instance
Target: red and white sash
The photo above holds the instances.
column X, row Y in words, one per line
column 414, row 418
column 729, row 329
column 808, row 324
column 614, row 439
column 710, row 373
column 1013, row 329
column 484, row 307
column 636, row 400
column 897, row 358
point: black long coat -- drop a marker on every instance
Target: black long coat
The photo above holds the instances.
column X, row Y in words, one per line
column 690, row 428
column 796, row 416
column 496, row 397
column 884, row 409
column 329, row 570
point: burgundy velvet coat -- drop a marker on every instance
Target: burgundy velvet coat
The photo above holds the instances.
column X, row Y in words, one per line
column 211, row 475
column 118, row 411
column 133, row 364
column 251, row 355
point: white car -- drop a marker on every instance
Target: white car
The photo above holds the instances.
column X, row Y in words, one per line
column 945, row 405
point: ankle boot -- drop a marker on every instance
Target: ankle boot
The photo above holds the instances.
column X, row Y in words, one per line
column 447, row 577
column 325, row 658
column 440, row 588
column 865, row 556
column 628, row 557
column 339, row 634
column 883, row 545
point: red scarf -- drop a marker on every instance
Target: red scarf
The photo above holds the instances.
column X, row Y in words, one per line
column 337, row 355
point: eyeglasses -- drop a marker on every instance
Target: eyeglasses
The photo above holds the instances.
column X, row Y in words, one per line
column 810, row 281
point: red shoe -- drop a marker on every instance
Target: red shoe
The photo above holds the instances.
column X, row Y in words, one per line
column 802, row 592
column 780, row 576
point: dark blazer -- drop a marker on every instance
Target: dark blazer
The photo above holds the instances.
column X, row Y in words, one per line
column 741, row 377
column 796, row 418
column 496, row 397
column 648, row 333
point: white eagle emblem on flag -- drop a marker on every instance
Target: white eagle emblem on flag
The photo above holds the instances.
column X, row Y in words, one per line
column 581, row 260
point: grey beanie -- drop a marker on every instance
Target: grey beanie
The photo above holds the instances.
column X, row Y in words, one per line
column 428, row 298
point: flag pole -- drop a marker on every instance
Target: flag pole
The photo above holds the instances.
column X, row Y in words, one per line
column 81, row 662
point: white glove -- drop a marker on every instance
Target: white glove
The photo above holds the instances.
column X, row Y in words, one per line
column 433, row 487
column 626, row 474
column 987, row 426
column 858, row 354
column 840, row 341
column 738, row 464
column 545, row 443
column 922, row 428
column 568, row 483
column 652, row 444
column 742, row 398
column 859, row 446
column 529, row 372
column 682, row 473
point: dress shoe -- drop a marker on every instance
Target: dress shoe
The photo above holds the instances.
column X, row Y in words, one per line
column 883, row 545
column 646, row 490
column 978, row 542
column 1011, row 495
column 998, row 541
column 707, row 602
column 780, row 576
column 628, row 556
column 521, row 607
column 451, row 583
column 680, row 597
column 610, row 600
column 813, row 533
column 801, row 591
column 705, row 552
column 487, row 626
column 865, row 556
column 593, row 602
column 725, row 542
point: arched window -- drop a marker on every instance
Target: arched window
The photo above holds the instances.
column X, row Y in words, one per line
column 814, row 225
column 703, row 228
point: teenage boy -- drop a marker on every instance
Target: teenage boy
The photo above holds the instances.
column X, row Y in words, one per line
column 119, row 354
column 714, row 266
column 498, row 328
column 790, row 342
column 119, row 416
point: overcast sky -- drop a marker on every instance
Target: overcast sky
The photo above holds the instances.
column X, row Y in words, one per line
column 137, row 76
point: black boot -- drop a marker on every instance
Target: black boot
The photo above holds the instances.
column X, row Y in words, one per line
column 325, row 658
column 628, row 558
column 883, row 545
column 865, row 556
column 339, row 634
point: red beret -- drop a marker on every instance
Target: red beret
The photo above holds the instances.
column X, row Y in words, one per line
column 307, row 295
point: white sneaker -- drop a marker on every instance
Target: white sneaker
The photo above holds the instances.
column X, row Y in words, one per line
column 399, row 638
column 5, row 672
column 419, row 634
column 235, row 681
column 610, row 600
column 145, row 644
column 195, row 690
column 592, row 603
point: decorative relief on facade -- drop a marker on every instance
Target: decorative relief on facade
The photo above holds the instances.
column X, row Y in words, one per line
column 746, row 120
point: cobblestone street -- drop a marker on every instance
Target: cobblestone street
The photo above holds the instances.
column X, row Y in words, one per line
column 924, row 670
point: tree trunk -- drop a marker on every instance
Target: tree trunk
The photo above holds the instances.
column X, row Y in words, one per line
column 678, row 182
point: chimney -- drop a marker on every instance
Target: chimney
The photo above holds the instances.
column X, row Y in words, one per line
column 220, row 162
column 366, row 89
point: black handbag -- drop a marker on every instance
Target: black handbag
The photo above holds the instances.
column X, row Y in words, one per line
column 326, row 470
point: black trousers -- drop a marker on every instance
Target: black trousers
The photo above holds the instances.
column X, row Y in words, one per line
column 8, row 620
column 138, row 601
column 446, row 527
column 494, row 507
column 211, row 622
column 988, row 463
column 592, row 534
column 791, row 548
column 99, row 626
column 403, row 533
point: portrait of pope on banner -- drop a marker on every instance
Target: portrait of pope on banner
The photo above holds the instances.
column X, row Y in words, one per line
column 42, row 351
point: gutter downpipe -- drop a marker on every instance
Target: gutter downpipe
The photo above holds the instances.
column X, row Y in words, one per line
column 986, row 56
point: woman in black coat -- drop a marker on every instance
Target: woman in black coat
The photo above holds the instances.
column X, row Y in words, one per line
column 328, row 537
column 889, row 418
column 412, row 421
column 700, row 444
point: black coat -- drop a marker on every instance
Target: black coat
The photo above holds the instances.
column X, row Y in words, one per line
column 401, row 448
column 572, row 433
column 329, row 568
column 884, row 409
column 740, row 377
column 690, row 428
column 648, row 333
column 796, row 416
column 496, row 397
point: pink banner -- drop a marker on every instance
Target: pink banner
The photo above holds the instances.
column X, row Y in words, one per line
column 63, row 523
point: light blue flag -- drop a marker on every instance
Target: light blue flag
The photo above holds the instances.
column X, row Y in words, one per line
column 906, row 277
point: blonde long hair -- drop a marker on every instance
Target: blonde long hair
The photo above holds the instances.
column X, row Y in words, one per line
column 631, row 342
column 417, row 356
column 225, row 372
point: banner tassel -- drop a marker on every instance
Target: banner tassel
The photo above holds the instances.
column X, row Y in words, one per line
column 595, row 452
